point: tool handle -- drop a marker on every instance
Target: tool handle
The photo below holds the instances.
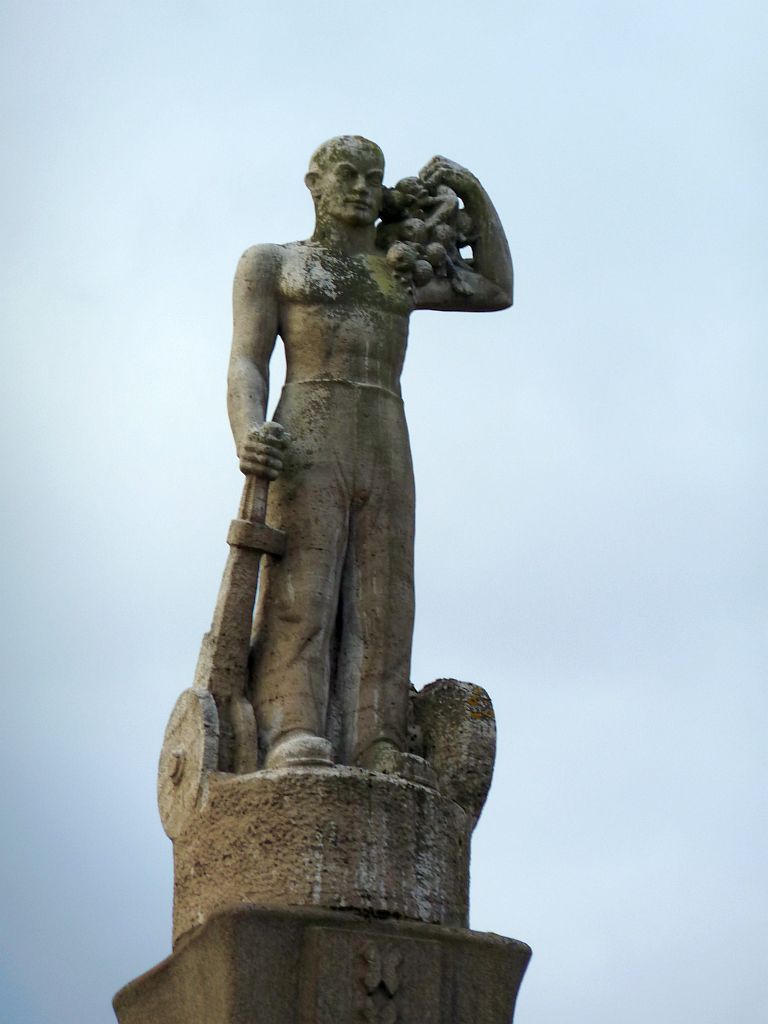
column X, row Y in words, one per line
column 253, row 503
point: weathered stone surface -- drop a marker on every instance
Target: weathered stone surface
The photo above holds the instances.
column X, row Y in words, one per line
column 457, row 730
column 189, row 755
column 342, row 838
column 260, row 966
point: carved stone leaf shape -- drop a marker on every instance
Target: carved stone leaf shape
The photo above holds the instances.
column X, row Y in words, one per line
column 390, row 974
column 372, row 961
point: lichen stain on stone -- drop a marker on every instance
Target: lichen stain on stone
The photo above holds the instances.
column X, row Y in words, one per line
column 478, row 705
column 321, row 278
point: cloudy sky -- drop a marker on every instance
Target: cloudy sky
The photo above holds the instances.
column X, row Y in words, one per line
column 591, row 542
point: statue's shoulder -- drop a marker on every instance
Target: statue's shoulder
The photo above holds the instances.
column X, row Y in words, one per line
column 261, row 261
column 269, row 260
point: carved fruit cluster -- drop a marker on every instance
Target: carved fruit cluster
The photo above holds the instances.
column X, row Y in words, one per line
column 423, row 228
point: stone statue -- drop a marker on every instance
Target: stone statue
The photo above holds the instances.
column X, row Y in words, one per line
column 332, row 638
column 321, row 809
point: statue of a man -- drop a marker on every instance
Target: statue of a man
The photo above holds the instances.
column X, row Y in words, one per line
column 334, row 618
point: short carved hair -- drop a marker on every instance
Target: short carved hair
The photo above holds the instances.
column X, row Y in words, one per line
column 337, row 148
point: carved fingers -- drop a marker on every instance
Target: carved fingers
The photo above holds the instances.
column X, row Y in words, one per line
column 442, row 171
column 261, row 454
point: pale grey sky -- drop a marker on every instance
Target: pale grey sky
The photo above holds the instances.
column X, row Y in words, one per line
column 590, row 465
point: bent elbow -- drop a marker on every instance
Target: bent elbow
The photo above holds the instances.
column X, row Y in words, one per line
column 501, row 299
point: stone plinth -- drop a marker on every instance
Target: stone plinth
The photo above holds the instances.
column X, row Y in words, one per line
column 253, row 965
column 340, row 838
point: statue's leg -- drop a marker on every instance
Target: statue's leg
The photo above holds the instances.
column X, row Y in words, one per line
column 377, row 599
column 299, row 593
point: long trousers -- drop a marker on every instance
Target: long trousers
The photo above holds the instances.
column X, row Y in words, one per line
column 334, row 617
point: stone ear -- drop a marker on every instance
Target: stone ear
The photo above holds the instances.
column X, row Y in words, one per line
column 310, row 180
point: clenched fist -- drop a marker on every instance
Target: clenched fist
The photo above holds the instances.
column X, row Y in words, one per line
column 261, row 454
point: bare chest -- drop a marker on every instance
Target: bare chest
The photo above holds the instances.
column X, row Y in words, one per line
column 311, row 278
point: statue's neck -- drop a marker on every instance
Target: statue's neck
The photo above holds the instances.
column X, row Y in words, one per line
column 345, row 238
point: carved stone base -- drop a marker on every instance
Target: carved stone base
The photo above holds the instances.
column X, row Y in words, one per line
column 252, row 965
column 340, row 838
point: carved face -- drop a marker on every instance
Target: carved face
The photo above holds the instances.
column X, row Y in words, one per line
column 347, row 186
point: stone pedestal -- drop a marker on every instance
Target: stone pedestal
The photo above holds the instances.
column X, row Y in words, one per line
column 340, row 838
column 256, row 965
column 329, row 894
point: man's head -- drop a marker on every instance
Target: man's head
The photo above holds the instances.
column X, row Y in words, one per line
column 345, row 178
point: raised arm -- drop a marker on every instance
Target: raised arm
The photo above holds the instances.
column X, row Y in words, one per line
column 255, row 308
column 489, row 273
